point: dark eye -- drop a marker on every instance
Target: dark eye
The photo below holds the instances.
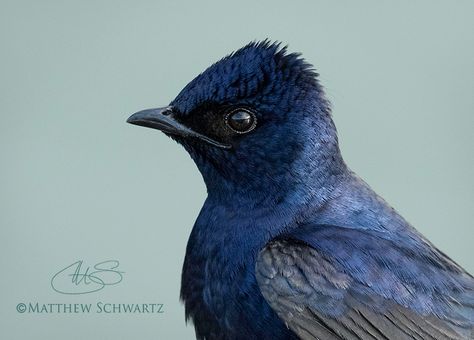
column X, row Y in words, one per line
column 241, row 120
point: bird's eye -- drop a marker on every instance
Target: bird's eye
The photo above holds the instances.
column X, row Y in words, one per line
column 241, row 120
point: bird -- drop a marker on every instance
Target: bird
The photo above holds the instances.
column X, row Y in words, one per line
column 290, row 243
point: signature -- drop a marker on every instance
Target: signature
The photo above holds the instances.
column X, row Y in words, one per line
column 78, row 278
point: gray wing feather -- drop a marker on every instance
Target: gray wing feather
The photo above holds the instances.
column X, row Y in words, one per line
column 319, row 301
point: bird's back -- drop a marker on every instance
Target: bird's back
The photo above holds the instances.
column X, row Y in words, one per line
column 356, row 269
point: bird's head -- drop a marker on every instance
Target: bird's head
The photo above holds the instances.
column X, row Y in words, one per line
column 255, row 120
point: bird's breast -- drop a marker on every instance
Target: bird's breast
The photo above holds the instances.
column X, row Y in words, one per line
column 219, row 288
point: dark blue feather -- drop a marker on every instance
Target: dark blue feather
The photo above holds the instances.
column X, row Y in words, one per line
column 334, row 260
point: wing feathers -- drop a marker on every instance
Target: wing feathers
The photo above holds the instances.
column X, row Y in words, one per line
column 319, row 299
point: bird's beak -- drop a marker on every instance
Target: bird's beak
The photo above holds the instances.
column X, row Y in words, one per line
column 163, row 119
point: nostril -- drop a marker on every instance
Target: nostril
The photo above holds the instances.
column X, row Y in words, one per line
column 167, row 111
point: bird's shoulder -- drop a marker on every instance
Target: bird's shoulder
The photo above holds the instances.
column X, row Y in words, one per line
column 328, row 281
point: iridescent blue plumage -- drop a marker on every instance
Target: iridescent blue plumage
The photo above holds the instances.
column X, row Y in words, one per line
column 289, row 241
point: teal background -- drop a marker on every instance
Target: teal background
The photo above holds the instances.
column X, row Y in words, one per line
column 77, row 182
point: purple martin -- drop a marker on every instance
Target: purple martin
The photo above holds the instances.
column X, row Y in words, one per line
column 290, row 243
